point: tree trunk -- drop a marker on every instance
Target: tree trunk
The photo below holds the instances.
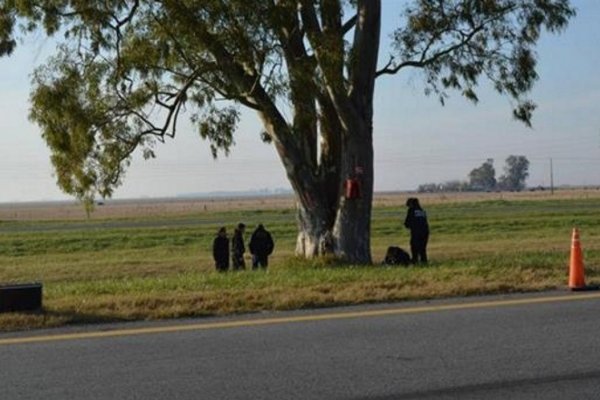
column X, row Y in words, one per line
column 352, row 229
column 317, row 203
column 337, row 222
column 315, row 233
column 331, row 218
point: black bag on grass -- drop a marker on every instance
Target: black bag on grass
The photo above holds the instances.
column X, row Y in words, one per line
column 396, row 256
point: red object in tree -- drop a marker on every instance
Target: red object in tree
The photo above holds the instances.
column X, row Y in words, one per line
column 352, row 189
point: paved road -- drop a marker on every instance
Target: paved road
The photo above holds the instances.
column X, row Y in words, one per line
column 520, row 347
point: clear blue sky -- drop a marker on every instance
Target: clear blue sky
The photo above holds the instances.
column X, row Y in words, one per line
column 416, row 140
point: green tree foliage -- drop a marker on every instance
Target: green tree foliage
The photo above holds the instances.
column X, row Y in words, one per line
column 483, row 177
column 128, row 70
column 516, row 172
column 458, row 42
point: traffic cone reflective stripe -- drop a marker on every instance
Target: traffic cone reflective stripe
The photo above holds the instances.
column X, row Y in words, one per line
column 576, row 273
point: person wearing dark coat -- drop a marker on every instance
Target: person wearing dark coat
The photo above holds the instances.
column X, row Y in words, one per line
column 416, row 221
column 238, row 248
column 261, row 246
column 221, row 250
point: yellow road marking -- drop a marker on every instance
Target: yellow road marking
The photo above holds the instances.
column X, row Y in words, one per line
column 295, row 319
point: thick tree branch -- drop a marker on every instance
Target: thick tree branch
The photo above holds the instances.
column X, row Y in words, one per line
column 424, row 60
column 326, row 60
column 348, row 25
column 248, row 84
column 365, row 50
column 301, row 69
column 466, row 39
column 329, row 55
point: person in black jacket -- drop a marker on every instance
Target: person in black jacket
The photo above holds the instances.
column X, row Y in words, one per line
column 261, row 246
column 221, row 250
column 416, row 221
column 237, row 247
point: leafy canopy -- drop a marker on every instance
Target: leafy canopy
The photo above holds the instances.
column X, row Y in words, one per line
column 127, row 70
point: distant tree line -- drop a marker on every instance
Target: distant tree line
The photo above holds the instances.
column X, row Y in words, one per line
column 483, row 178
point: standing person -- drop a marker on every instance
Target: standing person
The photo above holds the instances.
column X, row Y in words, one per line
column 416, row 221
column 261, row 246
column 237, row 247
column 221, row 250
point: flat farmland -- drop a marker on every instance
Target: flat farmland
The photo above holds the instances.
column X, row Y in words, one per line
column 151, row 259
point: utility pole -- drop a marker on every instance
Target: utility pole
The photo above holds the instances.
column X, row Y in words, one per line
column 551, row 178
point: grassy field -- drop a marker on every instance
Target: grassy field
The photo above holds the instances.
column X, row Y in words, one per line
column 158, row 264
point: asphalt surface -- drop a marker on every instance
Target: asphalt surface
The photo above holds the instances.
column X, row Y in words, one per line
column 480, row 348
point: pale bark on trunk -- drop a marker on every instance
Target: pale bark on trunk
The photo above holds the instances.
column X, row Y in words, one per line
column 339, row 224
column 315, row 236
column 352, row 229
column 329, row 222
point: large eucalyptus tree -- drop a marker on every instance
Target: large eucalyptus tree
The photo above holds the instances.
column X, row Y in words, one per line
column 128, row 70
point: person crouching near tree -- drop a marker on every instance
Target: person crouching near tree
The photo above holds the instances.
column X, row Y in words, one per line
column 237, row 247
column 221, row 250
column 261, row 246
column 416, row 221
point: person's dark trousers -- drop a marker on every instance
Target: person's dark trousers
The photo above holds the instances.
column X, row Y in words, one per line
column 222, row 266
column 238, row 262
column 418, row 248
column 260, row 261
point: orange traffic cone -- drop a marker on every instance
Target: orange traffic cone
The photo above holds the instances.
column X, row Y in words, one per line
column 576, row 274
